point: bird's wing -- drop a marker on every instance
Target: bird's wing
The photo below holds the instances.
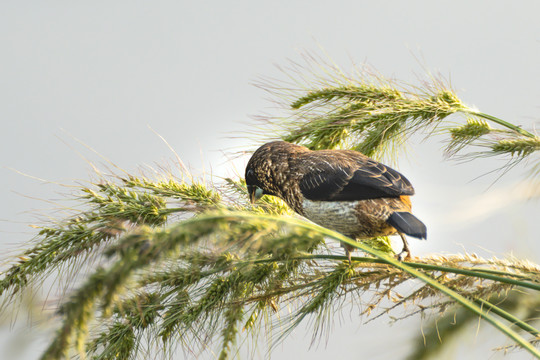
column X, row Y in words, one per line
column 350, row 178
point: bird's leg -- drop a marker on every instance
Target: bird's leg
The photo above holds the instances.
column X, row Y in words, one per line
column 348, row 250
column 405, row 253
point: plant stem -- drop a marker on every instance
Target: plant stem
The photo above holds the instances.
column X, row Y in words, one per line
column 469, row 272
column 506, row 315
column 500, row 122
column 468, row 304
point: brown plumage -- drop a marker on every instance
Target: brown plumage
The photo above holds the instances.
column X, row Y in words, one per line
column 342, row 190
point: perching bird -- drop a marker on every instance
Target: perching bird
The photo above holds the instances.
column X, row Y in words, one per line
column 342, row 190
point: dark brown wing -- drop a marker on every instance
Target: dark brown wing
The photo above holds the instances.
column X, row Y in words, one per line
column 335, row 177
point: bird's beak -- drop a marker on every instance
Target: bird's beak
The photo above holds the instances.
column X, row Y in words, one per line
column 255, row 193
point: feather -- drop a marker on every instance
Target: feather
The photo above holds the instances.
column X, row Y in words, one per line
column 409, row 224
column 342, row 190
column 347, row 176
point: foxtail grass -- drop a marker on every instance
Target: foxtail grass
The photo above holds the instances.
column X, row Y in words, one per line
column 222, row 267
column 183, row 261
column 323, row 107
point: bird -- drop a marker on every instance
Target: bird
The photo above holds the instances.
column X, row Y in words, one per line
column 342, row 190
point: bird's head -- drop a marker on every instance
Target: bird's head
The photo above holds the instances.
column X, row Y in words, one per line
column 265, row 170
column 268, row 172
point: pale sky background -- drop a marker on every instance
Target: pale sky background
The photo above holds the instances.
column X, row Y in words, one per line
column 104, row 71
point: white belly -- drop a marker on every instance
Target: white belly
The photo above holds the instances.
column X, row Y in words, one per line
column 340, row 216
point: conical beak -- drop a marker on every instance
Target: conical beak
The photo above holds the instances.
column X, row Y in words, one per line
column 255, row 193
column 251, row 192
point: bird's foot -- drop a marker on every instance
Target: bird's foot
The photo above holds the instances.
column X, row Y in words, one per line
column 404, row 255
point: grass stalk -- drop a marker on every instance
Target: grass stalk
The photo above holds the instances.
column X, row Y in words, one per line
column 479, row 273
column 466, row 303
column 508, row 316
column 501, row 122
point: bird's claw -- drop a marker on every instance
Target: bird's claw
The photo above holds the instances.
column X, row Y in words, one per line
column 404, row 255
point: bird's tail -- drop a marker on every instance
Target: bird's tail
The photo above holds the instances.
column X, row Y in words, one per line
column 409, row 224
